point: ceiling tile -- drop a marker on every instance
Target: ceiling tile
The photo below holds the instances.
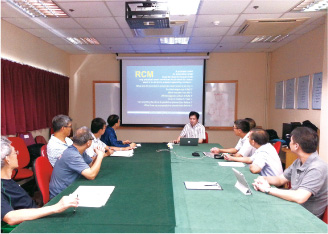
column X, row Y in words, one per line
column 106, row 32
column 108, row 22
column 210, row 32
column 57, row 23
column 234, row 39
column 272, row 6
column 207, row 47
column 38, row 32
column 91, row 9
column 205, row 40
column 207, row 20
column 144, row 41
column 224, row 7
column 56, row 40
column 146, row 47
column 74, row 33
column 7, row 10
column 112, row 41
column 116, row 8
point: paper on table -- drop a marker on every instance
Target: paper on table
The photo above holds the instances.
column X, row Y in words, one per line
column 202, row 185
column 231, row 164
column 121, row 153
column 138, row 145
column 93, row 196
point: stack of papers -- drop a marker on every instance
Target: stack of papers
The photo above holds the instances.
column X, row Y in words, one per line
column 126, row 153
column 231, row 164
column 93, row 196
column 202, row 185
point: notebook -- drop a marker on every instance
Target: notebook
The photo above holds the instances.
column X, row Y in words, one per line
column 241, row 183
column 188, row 141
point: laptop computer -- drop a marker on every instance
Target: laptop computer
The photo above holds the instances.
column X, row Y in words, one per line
column 188, row 141
column 241, row 183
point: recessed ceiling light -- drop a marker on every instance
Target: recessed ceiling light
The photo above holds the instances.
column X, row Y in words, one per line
column 37, row 8
column 174, row 40
column 216, row 23
column 83, row 40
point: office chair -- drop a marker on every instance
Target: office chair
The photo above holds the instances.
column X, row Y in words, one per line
column 23, row 159
column 40, row 140
column 325, row 216
column 43, row 170
column 27, row 138
column 44, row 151
column 277, row 146
column 206, row 139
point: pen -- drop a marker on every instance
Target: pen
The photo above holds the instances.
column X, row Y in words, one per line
column 77, row 196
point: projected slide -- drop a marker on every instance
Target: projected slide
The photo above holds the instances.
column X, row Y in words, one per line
column 162, row 94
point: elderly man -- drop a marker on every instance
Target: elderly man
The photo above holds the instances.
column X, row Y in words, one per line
column 265, row 160
column 193, row 129
column 59, row 141
column 243, row 148
column 16, row 205
column 308, row 174
column 75, row 162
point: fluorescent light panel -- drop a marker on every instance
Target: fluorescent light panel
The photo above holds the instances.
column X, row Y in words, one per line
column 37, row 8
column 276, row 38
column 174, row 40
column 311, row 5
column 83, row 40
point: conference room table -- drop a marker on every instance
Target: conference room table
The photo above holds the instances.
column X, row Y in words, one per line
column 150, row 196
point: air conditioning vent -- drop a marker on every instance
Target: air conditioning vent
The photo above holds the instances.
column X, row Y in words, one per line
column 176, row 29
column 269, row 27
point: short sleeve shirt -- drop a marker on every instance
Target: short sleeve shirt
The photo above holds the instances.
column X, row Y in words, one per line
column 95, row 142
column 310, row 176
column 267, row 158
column 67, row 169
column 197, row 131
column 244, row 147
column 14, row 197
column 56, row 147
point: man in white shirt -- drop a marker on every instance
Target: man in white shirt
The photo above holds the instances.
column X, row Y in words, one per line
column 265, row 160
column 59, row 141
column 193, row 129
column 243, row 147
column 98, row 128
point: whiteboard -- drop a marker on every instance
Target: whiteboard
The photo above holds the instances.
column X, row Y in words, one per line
column 220, row 104
column 106, row 99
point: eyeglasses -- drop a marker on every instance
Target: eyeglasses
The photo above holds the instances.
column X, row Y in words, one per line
column 234, row 127
column 69, row 126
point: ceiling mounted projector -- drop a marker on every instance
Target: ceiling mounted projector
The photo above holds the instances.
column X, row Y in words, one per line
column 147, row 14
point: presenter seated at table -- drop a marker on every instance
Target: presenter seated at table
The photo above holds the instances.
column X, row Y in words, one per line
column 98, row 128
column 243, row 147
column 110, row 138
column 59, row 141
column 193, row 129
column 308, row 174
column 265, row 160
column 75, row 162
column 16, row 205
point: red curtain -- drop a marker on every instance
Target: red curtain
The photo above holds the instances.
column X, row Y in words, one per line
column 30, row 97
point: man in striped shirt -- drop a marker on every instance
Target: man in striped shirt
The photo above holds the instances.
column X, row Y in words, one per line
column 193, row 129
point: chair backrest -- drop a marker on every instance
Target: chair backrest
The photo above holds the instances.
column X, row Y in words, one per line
column 40, row 140
column 44, row 151
column 27, row 138
column 206, row 139
column 23, row 155
column 325, row 216
column 277, row 146
column 43, row 170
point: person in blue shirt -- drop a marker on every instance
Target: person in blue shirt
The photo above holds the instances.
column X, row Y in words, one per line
column 110, row 138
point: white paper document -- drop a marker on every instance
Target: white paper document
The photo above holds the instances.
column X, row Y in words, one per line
column 93, row 196
column 121, row 153
column 231, row 164
column 202, row 185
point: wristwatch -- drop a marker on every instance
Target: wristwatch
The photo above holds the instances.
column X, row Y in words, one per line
column 267, row 190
